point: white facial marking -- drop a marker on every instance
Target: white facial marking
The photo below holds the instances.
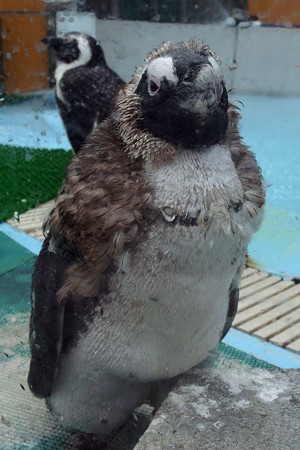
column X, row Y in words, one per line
column 84, row 57
column 205, row 77
column 215, row 65
column 163, row 67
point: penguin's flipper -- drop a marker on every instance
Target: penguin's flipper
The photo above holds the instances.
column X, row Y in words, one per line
column 46, row 322
column 232, row 308
column 233, row 300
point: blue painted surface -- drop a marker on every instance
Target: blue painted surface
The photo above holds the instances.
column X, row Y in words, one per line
column 33, row 123
column 27, row 241
column 276, row 246
column 263, row 350
column 270, row 126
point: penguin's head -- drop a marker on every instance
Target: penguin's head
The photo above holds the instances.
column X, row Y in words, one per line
column 75, row 47
column 182, row 95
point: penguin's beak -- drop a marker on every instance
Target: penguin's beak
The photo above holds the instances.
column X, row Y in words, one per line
column 66, row 50
column 205, row 93
column 53, row 42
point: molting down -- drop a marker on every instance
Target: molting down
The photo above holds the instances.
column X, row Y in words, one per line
column 138, row 278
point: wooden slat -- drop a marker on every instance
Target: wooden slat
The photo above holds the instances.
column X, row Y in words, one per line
column 279, row 325
column 257, row 297
column 288, row 335
column 32, row 221
column 38, row 235
column 294, row 346
column 253, row 279
column 265, row 312
column 28, row 227
column 259, row 286
column 249, row 271
column 32, row 218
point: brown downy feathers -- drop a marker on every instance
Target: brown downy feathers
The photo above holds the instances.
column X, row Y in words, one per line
column 105, row 201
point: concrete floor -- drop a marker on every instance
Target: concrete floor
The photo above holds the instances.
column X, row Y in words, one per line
column 34, row 123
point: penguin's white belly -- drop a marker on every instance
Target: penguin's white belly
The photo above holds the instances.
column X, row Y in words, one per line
column 167, row 303
column 168, row 311
column 162, row 317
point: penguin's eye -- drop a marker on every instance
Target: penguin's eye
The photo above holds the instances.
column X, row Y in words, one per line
column 189, row 78
column 154, row 85
column 190, row 75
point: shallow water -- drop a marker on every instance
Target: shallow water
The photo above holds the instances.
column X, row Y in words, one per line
column 270, row 126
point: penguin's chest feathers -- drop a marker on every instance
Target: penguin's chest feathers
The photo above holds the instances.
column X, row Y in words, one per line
column 199, row 188
column 202, row 222
column 170, row 293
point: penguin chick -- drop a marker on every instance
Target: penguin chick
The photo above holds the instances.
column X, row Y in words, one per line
column 85, row 85
column 138, row 278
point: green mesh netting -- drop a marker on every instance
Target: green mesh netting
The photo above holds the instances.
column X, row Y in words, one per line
column 14, row 99
column 25, row 421
column 231, row 357
column 29, row 176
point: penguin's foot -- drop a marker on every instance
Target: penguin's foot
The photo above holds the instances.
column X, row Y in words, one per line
column 86, row 441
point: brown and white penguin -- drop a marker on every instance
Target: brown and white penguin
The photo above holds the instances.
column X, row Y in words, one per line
column 138, row 278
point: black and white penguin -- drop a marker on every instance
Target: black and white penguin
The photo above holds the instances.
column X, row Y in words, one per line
column 138, row 279
column 84, row 84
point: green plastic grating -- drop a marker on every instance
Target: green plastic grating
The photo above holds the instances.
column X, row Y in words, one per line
column 231, row 357
column 29, row 177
